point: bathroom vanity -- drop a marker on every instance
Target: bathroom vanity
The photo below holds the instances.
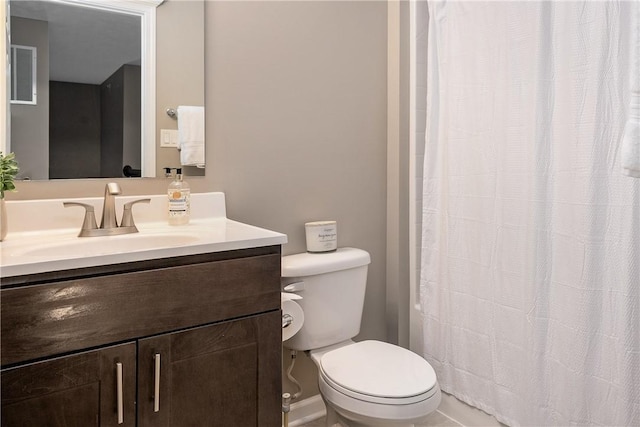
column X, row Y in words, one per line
column 169, row 335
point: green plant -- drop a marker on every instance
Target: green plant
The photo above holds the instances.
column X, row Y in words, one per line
column 8, row 171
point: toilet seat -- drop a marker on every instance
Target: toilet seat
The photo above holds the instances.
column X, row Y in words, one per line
column 378, row 372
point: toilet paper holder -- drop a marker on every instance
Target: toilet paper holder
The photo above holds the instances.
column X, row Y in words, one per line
column 287, row 320
column 292, row 314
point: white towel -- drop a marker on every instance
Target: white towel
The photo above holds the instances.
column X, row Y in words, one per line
column 630, row 150
column 191, row 135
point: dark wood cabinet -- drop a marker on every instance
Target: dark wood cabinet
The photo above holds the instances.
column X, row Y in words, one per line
column 77, row 390
column 215, row 375
column 195, row 341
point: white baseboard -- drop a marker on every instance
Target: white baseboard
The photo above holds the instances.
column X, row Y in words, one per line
column 312, row 408
column 306, row 410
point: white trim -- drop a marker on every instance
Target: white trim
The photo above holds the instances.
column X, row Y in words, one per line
column 392, row 299
column 122, row 6
column 306, row 410
column 415, row 317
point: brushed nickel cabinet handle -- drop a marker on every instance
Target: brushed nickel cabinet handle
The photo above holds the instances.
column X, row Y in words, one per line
column 156, row 384
column 119, row 393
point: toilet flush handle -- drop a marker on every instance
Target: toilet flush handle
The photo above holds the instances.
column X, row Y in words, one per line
column 294, row 287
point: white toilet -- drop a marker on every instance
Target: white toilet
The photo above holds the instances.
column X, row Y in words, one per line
column 367, row 383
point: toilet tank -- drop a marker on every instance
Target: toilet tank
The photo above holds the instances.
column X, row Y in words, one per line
column 332, row 295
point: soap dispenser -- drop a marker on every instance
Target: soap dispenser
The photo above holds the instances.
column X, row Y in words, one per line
column 179, row 200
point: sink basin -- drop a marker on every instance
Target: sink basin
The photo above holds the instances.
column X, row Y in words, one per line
column 91, row 246
column 43, row 243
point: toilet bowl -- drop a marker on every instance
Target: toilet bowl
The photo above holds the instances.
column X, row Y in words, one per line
column 367, row 383
column 373, row 383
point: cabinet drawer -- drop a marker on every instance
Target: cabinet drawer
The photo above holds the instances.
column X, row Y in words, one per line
column 59, row 317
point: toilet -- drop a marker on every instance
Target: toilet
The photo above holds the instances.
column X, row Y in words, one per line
column 366, row 383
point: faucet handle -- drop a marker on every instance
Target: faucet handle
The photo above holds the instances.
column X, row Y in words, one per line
column 127, row 215
column 89, row 222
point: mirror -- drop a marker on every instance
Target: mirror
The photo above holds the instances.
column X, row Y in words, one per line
column 99, row 64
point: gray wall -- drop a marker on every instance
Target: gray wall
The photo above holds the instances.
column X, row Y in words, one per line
column 29, row 32
column 296, row 124
column 297, row 97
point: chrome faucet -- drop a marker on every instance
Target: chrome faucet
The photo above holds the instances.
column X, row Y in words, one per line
column 109, row 207
column 109, row 223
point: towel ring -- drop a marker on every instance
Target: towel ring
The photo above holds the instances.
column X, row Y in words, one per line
column 172, row 113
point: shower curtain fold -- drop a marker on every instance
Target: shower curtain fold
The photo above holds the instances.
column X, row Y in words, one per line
column 530, row 272
column 630, row 150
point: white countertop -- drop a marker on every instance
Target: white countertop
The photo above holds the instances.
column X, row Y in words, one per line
column 36, row 244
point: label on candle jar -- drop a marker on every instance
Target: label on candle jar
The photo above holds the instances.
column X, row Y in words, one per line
column 322, row 236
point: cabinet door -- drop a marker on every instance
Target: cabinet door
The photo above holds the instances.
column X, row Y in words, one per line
column 225, row 374
column 77, row 390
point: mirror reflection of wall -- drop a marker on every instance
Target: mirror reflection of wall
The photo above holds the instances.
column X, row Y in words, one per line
column 30, row 123
column 74, row 131
column 88, row 52
column 180, row 71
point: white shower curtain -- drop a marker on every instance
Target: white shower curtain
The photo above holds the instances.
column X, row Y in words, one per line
column 530, row 275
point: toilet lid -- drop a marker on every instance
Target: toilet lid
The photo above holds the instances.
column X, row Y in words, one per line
column 379, row 369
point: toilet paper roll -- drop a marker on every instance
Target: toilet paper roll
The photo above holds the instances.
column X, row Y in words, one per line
column 292, row 318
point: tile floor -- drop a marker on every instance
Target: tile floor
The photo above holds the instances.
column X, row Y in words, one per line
column 437, row 419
